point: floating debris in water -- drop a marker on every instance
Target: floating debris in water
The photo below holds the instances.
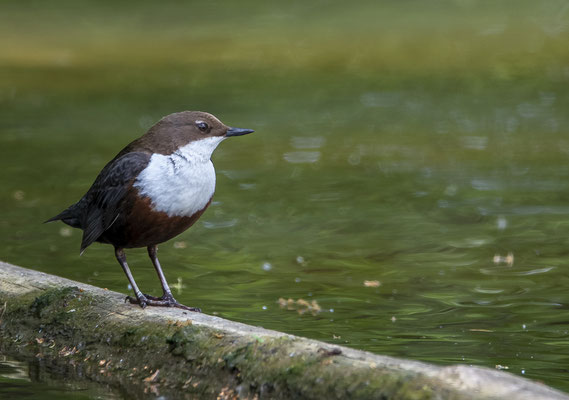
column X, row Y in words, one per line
column 372, row 283
column 393, row 319
column 315, row 307
column 290, row 304
column 18, row 195
column 180, row 245
column 498, row 366
column 301, row 306
column 508, row 260
column 302, row 303
column 480, row 330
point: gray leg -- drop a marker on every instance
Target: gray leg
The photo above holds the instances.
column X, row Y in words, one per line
column 167, row 298
column 152, row 253
column 140, row 299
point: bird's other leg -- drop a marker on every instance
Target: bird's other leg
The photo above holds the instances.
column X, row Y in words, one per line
column 153, row 254
column 167, row 299
column 140, row 298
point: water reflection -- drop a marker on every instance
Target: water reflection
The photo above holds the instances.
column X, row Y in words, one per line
column 12, row 369
column 37, row 380
column 299, row 157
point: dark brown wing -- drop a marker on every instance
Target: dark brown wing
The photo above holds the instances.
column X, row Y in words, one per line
column 100, row 206
column 106, row 194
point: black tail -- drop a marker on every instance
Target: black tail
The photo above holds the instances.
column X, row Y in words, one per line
column 56, row 218
column 68, row 216
column 74, row 217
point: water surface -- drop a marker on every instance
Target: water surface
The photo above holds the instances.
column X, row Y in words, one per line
column 421, row 148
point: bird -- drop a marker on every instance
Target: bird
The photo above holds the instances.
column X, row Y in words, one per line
column 155, row 188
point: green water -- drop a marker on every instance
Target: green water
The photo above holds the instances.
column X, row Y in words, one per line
column 416, row 144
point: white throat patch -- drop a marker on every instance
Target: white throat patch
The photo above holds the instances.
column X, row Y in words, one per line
column 183, row 182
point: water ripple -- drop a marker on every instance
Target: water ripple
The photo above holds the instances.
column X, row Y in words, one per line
column 307, row 142
column 494, row 271
column 220, row 224
column 300, row 157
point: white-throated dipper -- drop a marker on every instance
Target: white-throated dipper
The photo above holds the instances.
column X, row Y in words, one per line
column 154, row 189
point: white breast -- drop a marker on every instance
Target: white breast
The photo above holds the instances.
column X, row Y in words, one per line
column 183, row 182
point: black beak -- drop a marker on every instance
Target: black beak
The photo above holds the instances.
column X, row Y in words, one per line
column 237, row 131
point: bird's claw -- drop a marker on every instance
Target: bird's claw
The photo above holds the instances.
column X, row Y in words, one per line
column 164, row 301
column 141, row 301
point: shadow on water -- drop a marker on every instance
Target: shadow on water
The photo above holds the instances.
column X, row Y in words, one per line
column 420, row 148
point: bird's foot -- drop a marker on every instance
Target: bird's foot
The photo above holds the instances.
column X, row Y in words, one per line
column 141, row 300
column 167, row 300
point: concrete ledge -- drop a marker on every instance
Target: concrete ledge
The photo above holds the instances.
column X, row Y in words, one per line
column 95, row 335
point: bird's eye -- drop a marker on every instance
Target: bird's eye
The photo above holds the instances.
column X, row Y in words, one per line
column 202, row 126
